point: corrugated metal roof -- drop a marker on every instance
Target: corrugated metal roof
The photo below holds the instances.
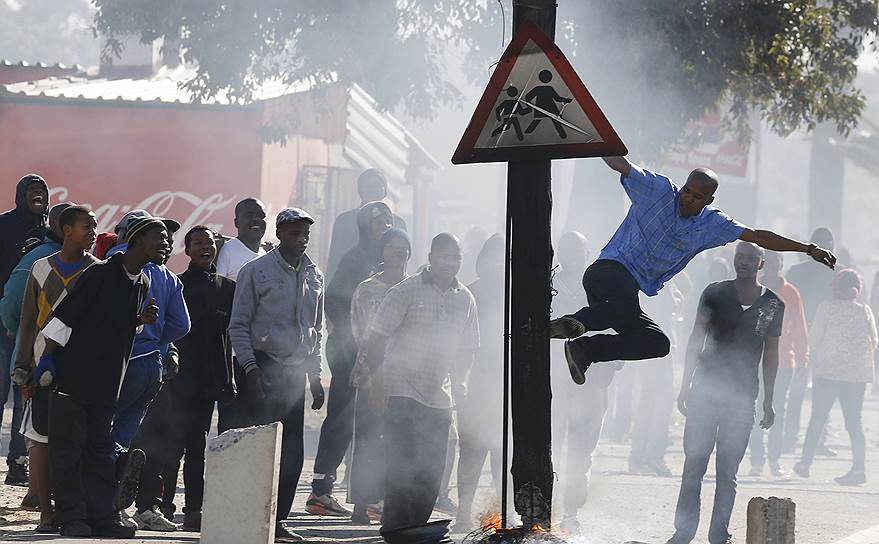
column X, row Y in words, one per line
column 6, row 63
column 164, row 86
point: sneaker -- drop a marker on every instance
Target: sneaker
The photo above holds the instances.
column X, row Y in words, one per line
column 778, row 472
column 660, row 469
column 576, row 356
column 192, row 521
column 113, row 529
column 282, row 534
column 153, row 520
column 47, row 528
column 566, row 327
column 446, row 505
column 802, row 470
column 756, row 471
column 17, row 474
column 824, row 451
column 31, row 503
column 851, row 478
column 360, row 515
column 126, row 519
column 76, row 529
column 130, row 479
column 677, row 538
column 325, row 505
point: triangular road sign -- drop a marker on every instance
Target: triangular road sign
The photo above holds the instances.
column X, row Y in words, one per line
column 534, row 108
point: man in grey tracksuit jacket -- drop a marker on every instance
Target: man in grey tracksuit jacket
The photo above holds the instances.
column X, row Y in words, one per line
column 275, row 329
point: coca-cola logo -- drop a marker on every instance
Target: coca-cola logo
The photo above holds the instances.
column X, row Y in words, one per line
column 171, row 204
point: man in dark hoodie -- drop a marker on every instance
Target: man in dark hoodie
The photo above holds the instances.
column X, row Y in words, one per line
column 359, row 263
column 26, row 221
column 372, row 186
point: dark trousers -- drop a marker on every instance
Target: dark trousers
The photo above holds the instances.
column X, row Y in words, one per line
column 794, row 410
column 367, row 481
column 713, row 419
column 415, row 437
column 284, row 402
column 80, row 460
column 612, row 293
column 655, row 404
column 851, row 400
column 773, row 447
column 158, row 436
column 17, row 448
column 478, row 437
column 338, row 427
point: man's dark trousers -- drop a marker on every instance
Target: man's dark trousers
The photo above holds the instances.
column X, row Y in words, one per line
column 612, row 293
column 714, row 418
column 338, row 427
column 17, row 448
column 284, row 402
column 81, row 462
column 774, row 442
column 416, row 437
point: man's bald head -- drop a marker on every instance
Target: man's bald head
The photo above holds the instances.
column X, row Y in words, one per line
column 707, row 177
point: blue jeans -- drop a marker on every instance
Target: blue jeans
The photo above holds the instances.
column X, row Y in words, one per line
column 142, row 382
column 17, row 449
column 713, row 419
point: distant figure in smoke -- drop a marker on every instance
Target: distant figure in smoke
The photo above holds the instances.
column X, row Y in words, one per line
column 664, row 229
column 507, row 113
column 545, row 98
column 423, row 337
column 793, row 357
column 843, row 342
column 814, row 284
column 737, row 324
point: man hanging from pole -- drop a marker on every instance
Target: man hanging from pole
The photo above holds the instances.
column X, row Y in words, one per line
column 666, row 227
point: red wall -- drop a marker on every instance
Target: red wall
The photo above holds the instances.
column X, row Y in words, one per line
column 191, row 164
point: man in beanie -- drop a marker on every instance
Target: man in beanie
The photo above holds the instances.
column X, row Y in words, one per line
column 372, row 186
column 277, row 317
column 373, row 220
column 26, row 221
column 88, row 344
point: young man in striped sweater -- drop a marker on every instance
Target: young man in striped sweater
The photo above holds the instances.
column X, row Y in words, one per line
column 50, row 279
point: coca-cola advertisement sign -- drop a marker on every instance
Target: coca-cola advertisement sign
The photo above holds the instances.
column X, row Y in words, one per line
column 214, row 210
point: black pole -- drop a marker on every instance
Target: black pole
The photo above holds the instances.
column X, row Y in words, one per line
column 508, row 258
column 530, row 210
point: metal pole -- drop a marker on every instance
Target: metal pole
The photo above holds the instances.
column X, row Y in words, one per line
column 505, row 463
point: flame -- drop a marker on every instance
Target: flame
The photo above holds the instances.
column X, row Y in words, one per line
column 537, row 528
column 490, row 521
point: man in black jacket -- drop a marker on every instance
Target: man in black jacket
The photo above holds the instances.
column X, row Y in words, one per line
column 337, row 429
column 26, row 221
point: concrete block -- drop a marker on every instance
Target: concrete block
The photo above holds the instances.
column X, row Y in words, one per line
column 241, row 486
column 771, row 521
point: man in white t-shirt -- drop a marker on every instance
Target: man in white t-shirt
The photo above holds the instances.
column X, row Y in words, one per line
column 250, row 220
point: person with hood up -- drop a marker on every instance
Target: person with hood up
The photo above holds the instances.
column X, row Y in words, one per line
column 372, row 186
column 27, row 220
column 373, row 220
column 482, row 406
column 366, row 488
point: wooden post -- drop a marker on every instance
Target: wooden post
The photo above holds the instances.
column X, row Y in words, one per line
column 530, row 209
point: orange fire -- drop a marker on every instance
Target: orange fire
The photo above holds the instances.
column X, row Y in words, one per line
column 490, row 521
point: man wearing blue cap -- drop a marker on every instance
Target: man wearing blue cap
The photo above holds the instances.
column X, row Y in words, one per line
column 275, row 328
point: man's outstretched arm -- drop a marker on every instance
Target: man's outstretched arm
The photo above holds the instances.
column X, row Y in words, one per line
column 620, row 164
column 776, row 242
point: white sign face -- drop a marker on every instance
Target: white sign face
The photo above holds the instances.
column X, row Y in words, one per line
column 536, row 108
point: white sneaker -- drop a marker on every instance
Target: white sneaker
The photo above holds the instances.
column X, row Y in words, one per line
column 127, row 520
column 153, row 520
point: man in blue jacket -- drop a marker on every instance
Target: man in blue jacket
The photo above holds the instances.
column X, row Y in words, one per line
column 148, row 361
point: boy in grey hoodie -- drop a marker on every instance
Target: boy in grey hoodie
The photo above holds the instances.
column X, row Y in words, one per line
column 278, row 348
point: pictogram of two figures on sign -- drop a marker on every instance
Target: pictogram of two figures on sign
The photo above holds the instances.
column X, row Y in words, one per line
column 541, row 102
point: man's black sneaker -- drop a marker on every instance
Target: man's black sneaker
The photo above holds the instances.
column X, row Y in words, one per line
column 17, row 475
column 566, row 327
column 851, row 478
column 76, row 529
column 802, row 470
column 677, row 538
column 113, row 529
column 578, row 361
column 192, row 521
column 282, row 534
column 31, row 503
column 130, row 478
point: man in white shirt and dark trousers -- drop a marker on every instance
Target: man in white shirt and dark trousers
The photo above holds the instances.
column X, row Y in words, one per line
column 424, row 334
column 277, row 317
column 250, row 220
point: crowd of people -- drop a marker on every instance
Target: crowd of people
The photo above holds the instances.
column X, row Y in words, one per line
column 117, row 363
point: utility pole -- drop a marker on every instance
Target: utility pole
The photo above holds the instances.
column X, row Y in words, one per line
column 529, row 210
